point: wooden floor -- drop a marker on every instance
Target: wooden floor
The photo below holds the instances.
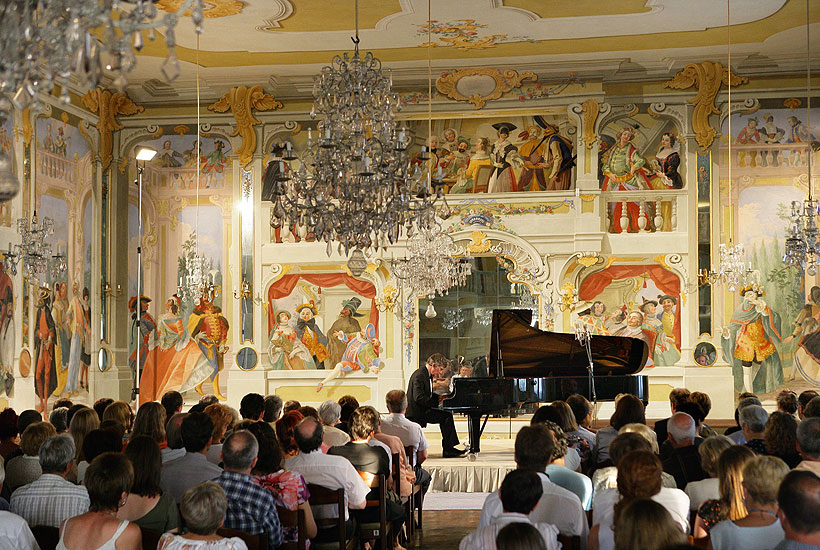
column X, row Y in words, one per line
column 444, row 529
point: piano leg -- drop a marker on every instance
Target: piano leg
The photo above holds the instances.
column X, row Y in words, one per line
column 474, row 432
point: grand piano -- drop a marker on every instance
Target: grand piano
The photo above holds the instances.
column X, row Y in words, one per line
column 528, row 365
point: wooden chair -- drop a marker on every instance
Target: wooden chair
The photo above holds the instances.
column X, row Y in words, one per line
column 377, row 530
column 481, row 178
column 47, row 537
column 253, row 542
column 570, row 542
column 416, row 497
column 293, row 518
column 150, row 539
column 319, row 496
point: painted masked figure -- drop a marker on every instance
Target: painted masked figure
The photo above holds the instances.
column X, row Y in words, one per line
column 310, row 334
column 750, row 344
column 346, row 324
column 595, row 319
column 634, row 329
column 548, row 160
column 361, row 353
column 666, row 353
column 466, row 178
column 45, row 379
column 209, row 328
column 286, row 350
column 85, row 355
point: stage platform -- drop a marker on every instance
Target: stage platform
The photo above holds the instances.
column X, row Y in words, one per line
column 462, row 475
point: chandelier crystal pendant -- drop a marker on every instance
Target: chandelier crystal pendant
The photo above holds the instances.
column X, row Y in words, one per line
column 34, row 251
column 48, row 40
column 353, row 184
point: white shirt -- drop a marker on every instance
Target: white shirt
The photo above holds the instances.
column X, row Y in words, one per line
column 15, row 533
column 333, row 472
column 557, row 506
column 701, row 491
column 408, row 431
column 572, row 459
column 483, row 538
column 168, row 454
column 728, row 536
column 333, row 437
column 674, row 500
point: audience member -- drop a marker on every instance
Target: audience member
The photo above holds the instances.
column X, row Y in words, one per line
column 307, row 410
column 222, row 419
column 252, row 406
column 113, row 427
column 95, row 443
column 284, row 432
column 520, row 492
column 26, row 418
column 407, row 477
column 348, row 404
column 411, row 435
column 534, row 446
column 562, row 474
column 625, row 443
column 730, row 485
column 647, row 525
column 709, row 488
column 273, row 409
column 333, row 472
column 147, row 505
column 760, row 529
column 63, row 402
column 639, row 476
column 121, row 412
column 787, row 402
column 329, row 413
column 99, row 407
column 798, row 500
column 705, row 403
column 4, row 503
column 59, row 419
column 203, row 508
column 150, row 420
column 753, row 423
column 251, row 508
column 683, row 461
column 207, row 399
column 108, row 480
column 192, row 468
column 644, row 431
column 812, row 408
column 582, row 410
column 628, row 409
column 24, row 469
column 52, row 499
column 72, row 410
column 677, row 397
column 568, row 424
column 552, row 417
column 370, row 462
column 803, row 400
column 173, row 434
column 288, row 489
column 83, row 421
column 735, row 433
column 172, row 403
column 520, row 536
column 15, row 533
column 780, row 438
column 808, row 445
column 290, row 405
column 9, row 436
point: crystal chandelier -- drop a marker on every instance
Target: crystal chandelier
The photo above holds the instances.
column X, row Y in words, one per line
column 353, row 184
column 452, row 318
column 34, row 251
column 46, row 40
column 802, row 248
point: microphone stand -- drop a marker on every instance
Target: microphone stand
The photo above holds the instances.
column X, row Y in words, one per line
column 584, row 338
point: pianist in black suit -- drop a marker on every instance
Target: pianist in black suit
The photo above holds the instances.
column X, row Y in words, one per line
column 422, row 403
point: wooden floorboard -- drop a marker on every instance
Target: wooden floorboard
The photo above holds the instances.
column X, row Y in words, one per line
column 444, row 529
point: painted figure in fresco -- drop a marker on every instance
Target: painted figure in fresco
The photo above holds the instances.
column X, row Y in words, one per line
column 80, row 332
column 345, row 324
column 705, row 354
column 595, row 318
column 666, row 352
column 624, row 170
column 668, row 159
column 61, row 143
column 749, row 133
column 7, row 336
column 45, row 379
column 168, row 156
column 633, row 328
column 62, row 342
column 549, row 159
column 143, row 333
column 504, row 156
column 214, row 162
column 466, row 178
column 176, row 363
column 310, row 334
column 450, row 139
column 668, row 317
column 209, row 328
column 770, row 132
column 456, row 160
column 361, row 353
column 189, row 156
column 798, row 133
column 750, row 344
column 85, row 353
column 48, row 140
column 807, row 355
column 286, row 351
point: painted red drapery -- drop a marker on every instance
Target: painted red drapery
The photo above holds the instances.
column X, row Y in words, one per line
column 664, row 279
column 285, row 285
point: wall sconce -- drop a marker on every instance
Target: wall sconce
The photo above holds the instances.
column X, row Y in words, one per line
column 388, row 300
column 568, row 297
column 246, row 292
column 111, row 292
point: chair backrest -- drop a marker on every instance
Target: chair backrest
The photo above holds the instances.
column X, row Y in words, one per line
column 320, row 495
column 379, row 484
column 481, row 178
column 253, row 542
column 150, row 539
column 46, row 536
column 570, row 542
column 411, row 456
column 396, row 473
column 293, row 518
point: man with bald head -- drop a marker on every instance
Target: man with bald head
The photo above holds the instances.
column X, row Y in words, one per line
column 799, row 511
column 683, row 462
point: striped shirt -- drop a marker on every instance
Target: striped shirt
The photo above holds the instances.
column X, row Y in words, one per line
column 49, row 501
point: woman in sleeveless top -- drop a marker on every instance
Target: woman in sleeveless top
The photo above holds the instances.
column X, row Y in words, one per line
column 108, row 480
column 203, row 509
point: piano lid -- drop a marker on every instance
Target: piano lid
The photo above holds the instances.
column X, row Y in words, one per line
column 527, row 352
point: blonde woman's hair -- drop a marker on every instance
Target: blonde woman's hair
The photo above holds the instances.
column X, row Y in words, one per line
column 730, row 479
column 762, row 476
column 82, row 422
column 710, row 450
column 120, row 412
column 34, row 435
column 646, row 525
column 643, row 430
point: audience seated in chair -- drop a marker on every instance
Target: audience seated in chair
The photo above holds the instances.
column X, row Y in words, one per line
column 645, row 524
column 709, row 488
column 808, row 445
column 780, row 438
column 683, row 461
column 329, row 414
column 798, row 500
column 411, row 435
column 730, row 484
column 628, row 410
column 193, row 467
column 203, row 509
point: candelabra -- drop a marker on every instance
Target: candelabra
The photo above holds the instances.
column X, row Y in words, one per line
column 732, row 270
column 34, row 251
column 246, row 292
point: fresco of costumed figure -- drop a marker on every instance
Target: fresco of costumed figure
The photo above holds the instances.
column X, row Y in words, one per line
column 361, row 353
column 347, row 324
column 806, row 359
column 751, row 341
column 7, row 335
column 666, row 353
column 45, row 376
column 286, row 350
column 310, row 334
column 209, row 328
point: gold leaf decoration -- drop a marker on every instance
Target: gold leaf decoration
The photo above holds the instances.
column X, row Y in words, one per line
column 591, row 109
column 792, row 103
column 28, row 130
column 242, row 101
column 707, row 77
column 212, row 9
column 181, row 130
column 505, row 81
column 108, row 106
